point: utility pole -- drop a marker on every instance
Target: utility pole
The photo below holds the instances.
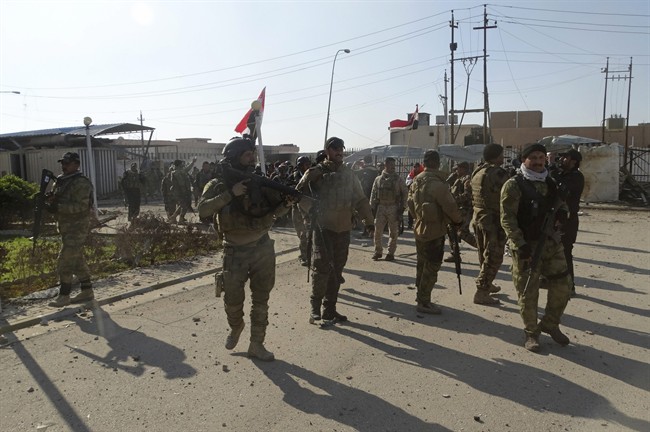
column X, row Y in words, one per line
column 446, row 112
column 606, row 72
column 452, row 47
column 626, row 77
column 486, row 103
column 142, row 137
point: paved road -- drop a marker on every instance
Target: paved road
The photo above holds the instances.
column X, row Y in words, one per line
column 157, row 362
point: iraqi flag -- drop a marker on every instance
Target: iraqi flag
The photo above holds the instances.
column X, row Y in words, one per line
column 247, row 124
column 411, row 123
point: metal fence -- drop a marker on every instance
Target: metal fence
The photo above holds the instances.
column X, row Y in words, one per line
column 638, row 164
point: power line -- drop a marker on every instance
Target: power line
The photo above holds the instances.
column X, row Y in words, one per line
column 569, row 12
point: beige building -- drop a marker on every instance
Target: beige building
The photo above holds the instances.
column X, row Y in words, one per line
column 514, row 129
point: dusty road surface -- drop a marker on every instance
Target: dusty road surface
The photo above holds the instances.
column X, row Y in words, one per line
column 156, row 362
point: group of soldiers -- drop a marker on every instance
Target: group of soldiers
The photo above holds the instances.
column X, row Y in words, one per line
column 528, row 210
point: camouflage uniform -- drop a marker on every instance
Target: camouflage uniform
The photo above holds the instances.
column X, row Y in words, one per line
column 339, row 193
column 486, row 184
column 388, row 198
column 132, row 183
column 166, row 190
column 298, row 219
column 433, row 207
column 72, row 206
column 461, row 190
column 181, row 190
column 522, row 224
column 249, row 252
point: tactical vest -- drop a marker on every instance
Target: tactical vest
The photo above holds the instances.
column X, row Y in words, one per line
column 533, row 206
column 335, row 188
column 387, row 191
column 481, row 197
column 131, row 180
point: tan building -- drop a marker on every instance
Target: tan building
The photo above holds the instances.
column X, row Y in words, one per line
column 514, row 129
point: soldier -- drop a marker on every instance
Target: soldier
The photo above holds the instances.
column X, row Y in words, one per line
column 417, row 169
column 569, row 176
column 526, row 199
column 249, row 253
column 433, row 207
column 461, row 190
column 166, row 191
column 202, row 178
column 387, row 200
column 132, row 184
column 71, row 202
column 339, row 193
column 302, row 165
column 367, row 175
column 181, row 190
column 486, row 184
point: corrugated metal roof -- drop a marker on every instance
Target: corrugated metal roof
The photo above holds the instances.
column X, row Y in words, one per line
column 95, row 130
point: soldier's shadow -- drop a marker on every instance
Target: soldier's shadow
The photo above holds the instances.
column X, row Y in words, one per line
column 504, row 380
column 311, row 393
column 132, row 350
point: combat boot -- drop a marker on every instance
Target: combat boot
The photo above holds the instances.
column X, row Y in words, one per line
column 233, row 337
column 452, row 258
column 494, row 288
column 314, row 315
column 390, row 257
column 334, row 316
column 376, row 256
column 257, row 350
column 484, row 298
column 532, row 343
column 557, row 335
column 428, row 308
column 61, row 300
column 86, row 295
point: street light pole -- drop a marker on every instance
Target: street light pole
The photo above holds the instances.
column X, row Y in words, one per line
column 91, row 161
column 329, row 103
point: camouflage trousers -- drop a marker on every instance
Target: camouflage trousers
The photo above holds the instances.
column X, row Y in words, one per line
column 428, row 264
column 301, row 231
column 71, row 261
column 183, row 204
column 254, row 262
column 133, row 200
column 386, row 215
column 463, row 232
column 491, row 243
column 330, row 256
column 553, row 267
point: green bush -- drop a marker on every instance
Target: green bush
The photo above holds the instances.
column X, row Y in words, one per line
column 16, row 200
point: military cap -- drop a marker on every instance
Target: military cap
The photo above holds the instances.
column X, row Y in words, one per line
column 334, row 142
column 532, row 148
column 178, row 162
column 70, row 157
column 431, row 156
column 572, row 154
column 492, row 151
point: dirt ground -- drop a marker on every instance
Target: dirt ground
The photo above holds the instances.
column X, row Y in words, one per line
column 157, row 361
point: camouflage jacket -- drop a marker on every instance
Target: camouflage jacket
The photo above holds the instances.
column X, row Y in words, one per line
column 432, row 205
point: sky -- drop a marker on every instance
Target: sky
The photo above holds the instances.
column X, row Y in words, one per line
column 193, row 67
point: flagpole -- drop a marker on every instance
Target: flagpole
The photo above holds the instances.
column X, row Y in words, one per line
column 260, row 151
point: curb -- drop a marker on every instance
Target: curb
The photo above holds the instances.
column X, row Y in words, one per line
column 74, row 309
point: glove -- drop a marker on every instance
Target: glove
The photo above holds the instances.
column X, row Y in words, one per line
column 524, row 252
column 562, row 217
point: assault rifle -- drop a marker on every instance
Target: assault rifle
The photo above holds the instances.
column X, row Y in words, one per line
column 235, row 176
column 39, row 202
column 547, row 230
column 455, row 252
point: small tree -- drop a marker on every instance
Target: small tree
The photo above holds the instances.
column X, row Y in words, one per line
column 16, row 200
